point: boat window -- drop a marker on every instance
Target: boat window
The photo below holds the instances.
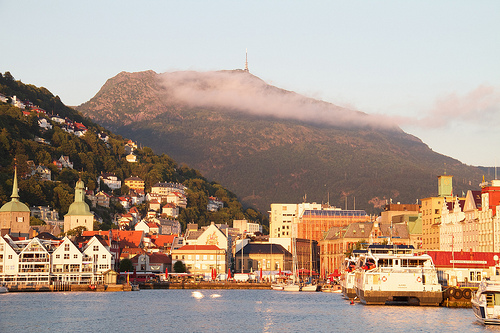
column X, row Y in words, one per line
column 396, row 262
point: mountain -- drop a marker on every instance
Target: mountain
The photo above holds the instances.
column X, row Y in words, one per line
column 23, row 142
column 270, row 145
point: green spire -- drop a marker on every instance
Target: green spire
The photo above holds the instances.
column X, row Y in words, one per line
column 15, row 191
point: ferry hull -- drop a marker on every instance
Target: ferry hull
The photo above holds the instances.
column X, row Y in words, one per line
column 422, row 298
column 349, row 293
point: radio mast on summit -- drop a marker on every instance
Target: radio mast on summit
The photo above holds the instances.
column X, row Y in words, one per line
column 246, row 60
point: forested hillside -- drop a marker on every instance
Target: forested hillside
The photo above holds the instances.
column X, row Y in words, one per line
column 270, row 145
column 90, row 156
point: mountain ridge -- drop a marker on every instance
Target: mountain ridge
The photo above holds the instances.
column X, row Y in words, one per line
column 240, row 134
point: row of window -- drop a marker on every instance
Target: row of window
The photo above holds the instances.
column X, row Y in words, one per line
column 190, row 257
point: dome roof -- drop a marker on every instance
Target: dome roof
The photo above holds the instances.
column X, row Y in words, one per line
column 79, row 208
column 14, row 206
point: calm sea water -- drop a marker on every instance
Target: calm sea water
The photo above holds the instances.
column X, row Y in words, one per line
column 231, row 311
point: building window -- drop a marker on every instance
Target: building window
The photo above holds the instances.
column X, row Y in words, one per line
column 66, row 247
column 75, row 256
column 58, row 256
column 96, row 247
column 66, row 256
column 103, row 256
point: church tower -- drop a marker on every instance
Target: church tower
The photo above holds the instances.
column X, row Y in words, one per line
column 79, row 213
column 14, row 215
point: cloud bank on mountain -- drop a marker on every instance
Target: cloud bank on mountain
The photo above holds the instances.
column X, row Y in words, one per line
column 239, row 91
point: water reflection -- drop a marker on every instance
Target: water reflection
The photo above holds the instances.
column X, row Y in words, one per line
column 233, row 310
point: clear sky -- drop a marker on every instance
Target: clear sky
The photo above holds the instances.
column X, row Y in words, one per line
column 434, row 65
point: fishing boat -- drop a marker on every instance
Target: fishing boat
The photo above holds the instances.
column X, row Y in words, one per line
column 394, row 275
column 486, row 301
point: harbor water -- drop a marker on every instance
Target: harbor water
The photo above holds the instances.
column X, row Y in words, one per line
column 219, row 311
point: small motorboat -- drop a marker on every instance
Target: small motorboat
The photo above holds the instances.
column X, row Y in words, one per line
column 486, row 301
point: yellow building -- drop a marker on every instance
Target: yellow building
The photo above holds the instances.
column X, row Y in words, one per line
column 135, row 183
column 431, row 213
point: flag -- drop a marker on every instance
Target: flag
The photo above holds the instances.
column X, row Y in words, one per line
column 229, row 273
column 261, row 274
column 166, row 273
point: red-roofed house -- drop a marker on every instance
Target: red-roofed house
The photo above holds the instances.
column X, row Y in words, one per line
column 123, row 237
column 125, row 221
column 177, row 199
column 151, row 228
column 170, row 210
column 125, row 202
column 131, row 252
column 154, row 205
column 154, row 262
column 163, row 243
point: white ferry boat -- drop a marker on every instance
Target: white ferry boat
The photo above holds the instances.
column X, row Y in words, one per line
column 394, row 275
column 347, row 276
column 486, row 301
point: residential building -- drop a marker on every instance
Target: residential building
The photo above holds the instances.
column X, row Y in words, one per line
column 65, row 162
column 163, row 189
column 177, row 198
column 452, row 225
column 110, row 180
column 245, row 227
column 201, row 259
column 265, row 256
column 102, row 199
column 170, row 210
column 135, row 183
column 40, row 261
column 431, row 213
column 214, row 204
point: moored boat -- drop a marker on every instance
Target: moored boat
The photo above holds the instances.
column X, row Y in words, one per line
column 395, row 276
column 3, row 289
column 347, row 276
column 486, row 301
column 310, row 287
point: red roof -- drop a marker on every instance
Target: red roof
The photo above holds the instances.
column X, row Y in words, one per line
column 161, row 240
column 199, row 248
column 125, row 238
column 159, row 258
column 462, row 259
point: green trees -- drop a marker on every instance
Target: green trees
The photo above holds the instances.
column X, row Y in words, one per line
column 126, row 265
column 179, row 267
column 91, row 156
